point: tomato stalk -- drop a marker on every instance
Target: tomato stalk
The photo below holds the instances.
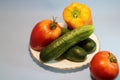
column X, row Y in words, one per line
column 44, row 33
column 112, row 58
column 53, row 24
column 106, row 68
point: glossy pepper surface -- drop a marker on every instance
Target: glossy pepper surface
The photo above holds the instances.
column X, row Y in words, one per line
column 77, row 15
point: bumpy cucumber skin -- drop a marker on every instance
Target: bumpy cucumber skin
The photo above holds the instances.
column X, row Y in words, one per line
column 88, row 44
column 76, row 54
column 64, row 30
column 62, row 44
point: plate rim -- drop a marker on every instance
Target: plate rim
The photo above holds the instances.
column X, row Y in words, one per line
column 61, row 68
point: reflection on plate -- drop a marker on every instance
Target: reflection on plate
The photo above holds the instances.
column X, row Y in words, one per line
column 64, row 63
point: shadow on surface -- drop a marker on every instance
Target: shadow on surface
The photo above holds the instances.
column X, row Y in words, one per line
column 92, row 77
column 56, row 69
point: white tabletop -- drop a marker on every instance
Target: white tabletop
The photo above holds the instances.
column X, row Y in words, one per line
column 17, row 19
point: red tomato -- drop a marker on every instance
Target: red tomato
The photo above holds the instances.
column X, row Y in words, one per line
column 104, row 66
column 44, row 33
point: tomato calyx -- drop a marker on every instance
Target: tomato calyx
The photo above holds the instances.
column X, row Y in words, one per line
column 53, row 24
column 112, row 58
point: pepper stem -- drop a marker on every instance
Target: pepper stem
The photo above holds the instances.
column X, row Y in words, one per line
column 76, row 13
column 112, row 58
column 53, row 24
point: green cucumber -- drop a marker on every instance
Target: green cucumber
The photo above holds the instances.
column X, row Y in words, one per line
column 64, row 30
column 76, row 54
column 88, row 44
column 63, row 43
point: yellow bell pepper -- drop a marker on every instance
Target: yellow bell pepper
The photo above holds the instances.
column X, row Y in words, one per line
column 77, row 15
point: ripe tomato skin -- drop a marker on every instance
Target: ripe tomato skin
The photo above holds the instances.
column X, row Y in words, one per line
column 102, row 68
column 42, row 34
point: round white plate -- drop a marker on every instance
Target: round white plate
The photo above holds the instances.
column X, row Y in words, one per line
column 64, row 63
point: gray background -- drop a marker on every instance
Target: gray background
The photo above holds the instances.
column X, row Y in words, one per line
column 17, row 19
